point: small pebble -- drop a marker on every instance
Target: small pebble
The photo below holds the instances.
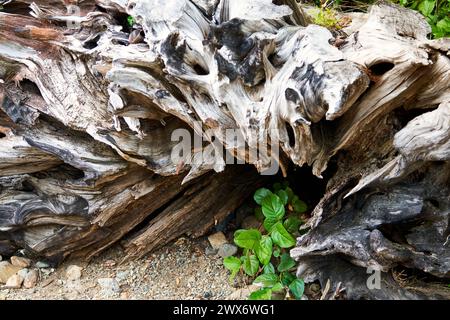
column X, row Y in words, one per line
column 217, row 239
column 227, row 250
column 23, row 272
column 109, row 285
column 47, row 271
column 209, row 251
column 7, row 270
column 124, row 295
column 73, row 272
column 31, row 279
column 122, row 275
column 42, row 265
column 14, row 282
column 20, row 262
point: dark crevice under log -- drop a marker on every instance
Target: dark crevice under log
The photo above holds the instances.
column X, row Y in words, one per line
column 196, row 210
column 88, row 105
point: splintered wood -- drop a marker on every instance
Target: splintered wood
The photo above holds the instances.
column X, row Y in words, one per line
column 91, row 94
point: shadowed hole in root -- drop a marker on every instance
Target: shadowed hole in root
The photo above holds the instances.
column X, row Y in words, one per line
column 63, row 171
column 305, row 185
column 291, row 134
column 200, row 70
column 16, row 7
column 92, row 43
column 381, row 68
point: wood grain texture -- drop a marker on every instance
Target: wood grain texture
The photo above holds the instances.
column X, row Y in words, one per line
column 87, row 113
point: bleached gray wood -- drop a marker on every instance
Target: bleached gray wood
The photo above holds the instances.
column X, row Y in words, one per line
column 86, row 116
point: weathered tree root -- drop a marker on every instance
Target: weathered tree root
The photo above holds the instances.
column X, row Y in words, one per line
column 88, row 106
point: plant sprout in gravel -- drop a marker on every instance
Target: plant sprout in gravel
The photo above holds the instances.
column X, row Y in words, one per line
column 265, row 251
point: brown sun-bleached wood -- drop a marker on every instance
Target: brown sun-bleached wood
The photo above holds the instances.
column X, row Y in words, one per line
column 88, row 105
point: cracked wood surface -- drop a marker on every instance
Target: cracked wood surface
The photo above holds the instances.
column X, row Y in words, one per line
column 87, row 113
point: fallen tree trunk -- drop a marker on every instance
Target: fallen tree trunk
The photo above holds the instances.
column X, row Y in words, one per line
column 89, row 105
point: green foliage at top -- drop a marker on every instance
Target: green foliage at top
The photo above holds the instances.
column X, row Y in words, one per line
column 437, row 12
column 265, row 251
column 326, row 17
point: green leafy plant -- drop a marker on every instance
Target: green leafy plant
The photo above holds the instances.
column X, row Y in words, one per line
column 326, row 17
column 131, row 21
column 437, row 13
column 265, row 251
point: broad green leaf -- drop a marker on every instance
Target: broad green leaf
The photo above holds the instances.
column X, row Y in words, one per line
column 444, row 25
column 286, row 263
column 426, row 7
column 130, row 21
column 250, row 265
column 281, row 237
column 283, row 196
column 261, row 294
column 267, row 280
column 268, row 223
column 260, row 194
column 287, row 278
column 233, row 264
column 290, row 194
column 247, row 238
column 299, row 205
column 276, row 253
column 292, row 224
column 432, row 19
column 273, row 207
column 263, row 249
column 269, row 268
column 437, row 33
column 258, row 214
column 277, row 287
column 297, row 288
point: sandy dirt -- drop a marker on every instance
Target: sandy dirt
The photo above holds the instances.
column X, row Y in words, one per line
column 181, row 270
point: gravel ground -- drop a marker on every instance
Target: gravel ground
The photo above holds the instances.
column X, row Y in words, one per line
column 185, row 269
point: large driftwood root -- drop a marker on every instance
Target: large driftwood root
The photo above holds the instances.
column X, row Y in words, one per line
column 88, row 106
